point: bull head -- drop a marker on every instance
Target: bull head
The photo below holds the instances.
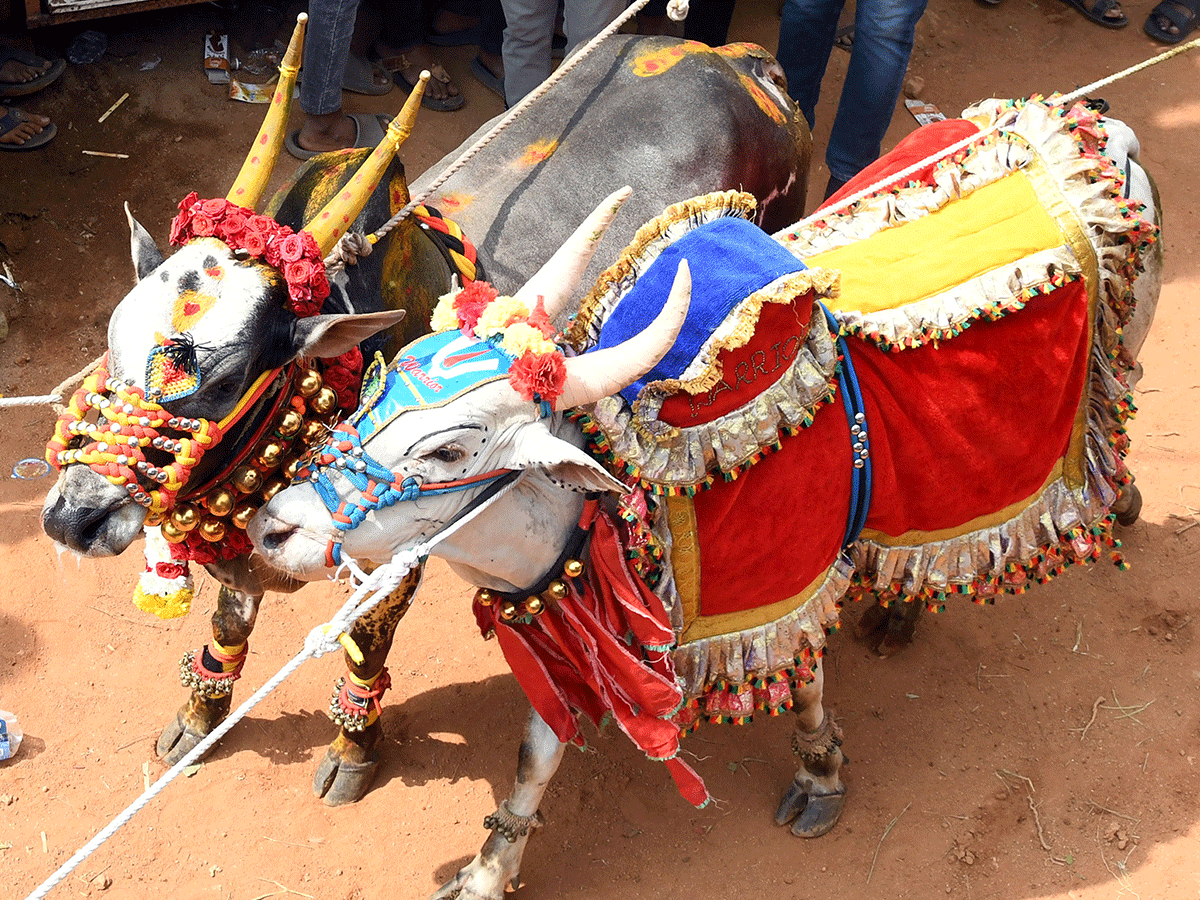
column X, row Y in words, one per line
column 207, row 338
column 430, row 439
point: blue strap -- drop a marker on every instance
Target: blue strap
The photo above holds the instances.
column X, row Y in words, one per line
column 852, row 402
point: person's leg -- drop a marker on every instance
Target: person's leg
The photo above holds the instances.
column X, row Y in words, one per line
column 806, row 32
column 326, row 51
column 403, row 36
column 709, row 21
column 883, row 42
column 488, row 65
column 528, row 33
column 584, row 19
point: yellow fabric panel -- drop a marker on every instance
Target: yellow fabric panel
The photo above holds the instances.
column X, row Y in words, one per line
column 960, row 241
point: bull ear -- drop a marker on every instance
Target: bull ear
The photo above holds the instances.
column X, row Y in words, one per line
column 536, row 448
column 326, row 336
column 146, row 257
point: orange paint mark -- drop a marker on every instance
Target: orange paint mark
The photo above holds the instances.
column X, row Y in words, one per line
column 254, row 159
column 736, row 51
column 263, row 139
column 241, row 190
column 763, row 100
column 452, row 202
column 656, row 62
column 190, row 306
column 215, row 272
column 537, row 152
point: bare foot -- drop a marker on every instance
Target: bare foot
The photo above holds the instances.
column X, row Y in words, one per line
column 333, row 131
column 441, row 93
column 13, row 71
column 28, row 126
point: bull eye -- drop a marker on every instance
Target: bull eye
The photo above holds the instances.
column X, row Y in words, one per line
column 227, row 387
column 446, row 454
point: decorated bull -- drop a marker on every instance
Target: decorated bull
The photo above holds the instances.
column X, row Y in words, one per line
column 921, row 396
column 220, row 376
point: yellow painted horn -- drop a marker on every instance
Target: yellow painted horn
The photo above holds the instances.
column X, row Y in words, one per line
column 331, row 222
column 252, row 180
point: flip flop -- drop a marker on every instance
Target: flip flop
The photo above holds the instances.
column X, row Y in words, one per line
column 446, row 104
column 15, row 117
column 360, row 78
column 21, row 88
column 1095, row 10
column 369, row 131
column 1183, row 14
column 485, row 77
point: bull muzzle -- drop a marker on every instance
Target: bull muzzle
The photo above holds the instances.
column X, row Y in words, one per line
column 88, row 514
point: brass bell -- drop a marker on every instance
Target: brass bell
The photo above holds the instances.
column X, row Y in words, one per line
column 243, row 514
column 485, row 597
column 324, row 402
column 273, row 487
column 508, row 611
column 314, row 431
column 154, row 519
column 572, row 568
column 270, row 455
column 212, row 530
column 289, row 425
column 185, row 517
column 310, row 382
column 534, row 606
column 247, row 479
column 173, row 534
column 557, row 590
column 220, row 502
column 289, row 471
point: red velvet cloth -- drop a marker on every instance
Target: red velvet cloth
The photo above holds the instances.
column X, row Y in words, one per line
column 964, row 429
column 603, row 650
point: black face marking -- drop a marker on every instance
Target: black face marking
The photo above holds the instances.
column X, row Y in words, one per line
column 210, row 262
column 189, row 281
column 164, row 275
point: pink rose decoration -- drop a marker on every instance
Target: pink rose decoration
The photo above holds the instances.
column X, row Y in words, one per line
column 291, row 248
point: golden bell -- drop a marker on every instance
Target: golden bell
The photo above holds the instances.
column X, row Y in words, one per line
column 508, row 611
column 572, row 568
column 220, row 502
column 314, row 431
column 534, row 606
column 212, row 530
column 273, row 487
column 324, row 402
column 173, row 534
column 185, row 517
column 289, row 471
column 310, row 382
column 154, row 519
column 289, row 425
column 270, row 454
column 485, row 597
column 243, row 514
column 247, row 479
column 557, row 590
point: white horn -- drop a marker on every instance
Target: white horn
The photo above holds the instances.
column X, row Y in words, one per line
column 557, row 279
column 603, row 373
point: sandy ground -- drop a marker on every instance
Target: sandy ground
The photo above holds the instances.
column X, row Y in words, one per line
column 1045, row 747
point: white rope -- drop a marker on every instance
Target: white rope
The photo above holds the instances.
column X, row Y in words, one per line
column 6, row 402
column 968, row 141
column 320, row 640
column 517, row 111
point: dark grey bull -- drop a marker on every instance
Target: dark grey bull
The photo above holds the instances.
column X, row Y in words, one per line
column 669, row 118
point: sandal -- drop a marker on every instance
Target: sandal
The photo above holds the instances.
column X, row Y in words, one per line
column 449, row 103
column 1096, row 11
column 12, row 120
column 50, row 72
column 1178, row 14
column 369, row 131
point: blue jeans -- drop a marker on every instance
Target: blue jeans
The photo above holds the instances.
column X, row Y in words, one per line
column 883, row 41
column 326, row 52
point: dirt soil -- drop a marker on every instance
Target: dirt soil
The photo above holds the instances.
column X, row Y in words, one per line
column 1044, row 747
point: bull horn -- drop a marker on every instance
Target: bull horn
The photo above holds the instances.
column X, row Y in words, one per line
column 603, row 373
column 252, row 180
column 331, row 222
column 556, row 281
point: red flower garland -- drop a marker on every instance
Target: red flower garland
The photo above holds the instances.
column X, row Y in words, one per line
column 295, row 254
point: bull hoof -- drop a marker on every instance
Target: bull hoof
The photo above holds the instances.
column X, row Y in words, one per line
column 1128, row 506
column 192, row 724
column 888, row 630
column 810, row 811
column 345, row 774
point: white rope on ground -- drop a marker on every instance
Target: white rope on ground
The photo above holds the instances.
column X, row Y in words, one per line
column 6, row 402
column 321, row 640
column 968, row 141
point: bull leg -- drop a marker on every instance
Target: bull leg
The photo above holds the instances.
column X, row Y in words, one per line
column 889, row 629
column 210, row 672
column 345, row 773
column 813, row 802
column 498, row 863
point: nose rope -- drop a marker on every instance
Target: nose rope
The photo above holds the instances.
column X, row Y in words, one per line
column 377, row 486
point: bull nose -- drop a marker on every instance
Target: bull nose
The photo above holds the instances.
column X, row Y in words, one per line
column 101, row 525
column 76, row 527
